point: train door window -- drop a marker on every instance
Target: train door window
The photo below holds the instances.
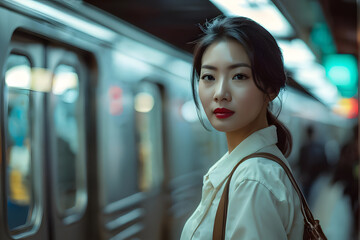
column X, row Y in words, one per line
column 69, row 166
column 18, row 112
column 148, row 106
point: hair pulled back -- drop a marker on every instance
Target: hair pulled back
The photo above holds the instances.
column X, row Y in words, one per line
column 265, row 57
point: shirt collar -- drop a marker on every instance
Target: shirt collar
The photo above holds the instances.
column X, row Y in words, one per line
column 253, row 143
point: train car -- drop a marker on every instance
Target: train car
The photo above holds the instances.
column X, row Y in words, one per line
column 99, row 134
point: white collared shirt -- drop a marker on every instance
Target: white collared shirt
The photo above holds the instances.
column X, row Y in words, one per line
column 263, row 204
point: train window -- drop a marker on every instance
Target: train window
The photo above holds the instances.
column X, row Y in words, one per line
column 69, row 166
column 20, row 182
column 149, row 136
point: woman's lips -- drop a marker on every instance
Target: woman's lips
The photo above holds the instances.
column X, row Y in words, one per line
column 223, row 113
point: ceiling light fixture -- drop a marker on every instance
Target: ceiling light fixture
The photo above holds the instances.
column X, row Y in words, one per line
column 262, row 11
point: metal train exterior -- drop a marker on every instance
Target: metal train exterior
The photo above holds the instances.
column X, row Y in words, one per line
column 98, row 139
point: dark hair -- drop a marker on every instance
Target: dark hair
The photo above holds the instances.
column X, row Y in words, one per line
column 266, row 62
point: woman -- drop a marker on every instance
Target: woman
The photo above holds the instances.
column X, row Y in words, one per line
column 237, row 71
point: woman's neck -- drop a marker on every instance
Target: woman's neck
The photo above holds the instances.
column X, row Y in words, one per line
column 236, row 137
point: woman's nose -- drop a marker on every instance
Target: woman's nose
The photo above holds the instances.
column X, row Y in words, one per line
column 222, row 92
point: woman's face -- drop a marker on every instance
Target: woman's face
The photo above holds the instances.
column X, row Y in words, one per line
column 229, row 96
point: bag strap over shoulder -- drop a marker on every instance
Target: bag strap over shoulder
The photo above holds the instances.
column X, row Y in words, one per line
column 221, row 213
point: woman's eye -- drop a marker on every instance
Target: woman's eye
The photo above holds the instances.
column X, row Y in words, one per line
column 208, row 77
column 240, row 76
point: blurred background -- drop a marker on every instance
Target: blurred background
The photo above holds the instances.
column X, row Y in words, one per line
column 99, row 135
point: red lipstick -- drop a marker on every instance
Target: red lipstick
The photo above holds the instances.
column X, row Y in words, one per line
column 223, row 113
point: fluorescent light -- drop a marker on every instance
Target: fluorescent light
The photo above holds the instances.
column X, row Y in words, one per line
column 92, row 29
column 313, row 78
column 262, row 11
column 328, row 94
column 310, row 75
column 296, row 53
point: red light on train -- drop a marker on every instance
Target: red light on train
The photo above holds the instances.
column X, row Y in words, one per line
column 115, row 100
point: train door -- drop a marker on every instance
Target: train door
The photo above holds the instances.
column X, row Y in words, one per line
column 149, row 132
column 121, row 214
column 132, row 166
column 24, row 207
column 66, row 119
column 44, row 137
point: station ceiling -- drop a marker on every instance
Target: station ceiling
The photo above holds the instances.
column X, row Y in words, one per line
column 174, row 21
column 177, row 21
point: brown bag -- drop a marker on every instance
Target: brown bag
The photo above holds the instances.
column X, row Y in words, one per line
column 312, row 228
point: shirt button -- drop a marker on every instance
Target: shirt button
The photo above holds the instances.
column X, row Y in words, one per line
column 197, row 234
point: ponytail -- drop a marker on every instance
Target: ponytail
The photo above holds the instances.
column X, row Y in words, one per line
column 283, row 134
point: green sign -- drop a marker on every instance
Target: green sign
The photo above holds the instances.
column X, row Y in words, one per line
column 342, row 71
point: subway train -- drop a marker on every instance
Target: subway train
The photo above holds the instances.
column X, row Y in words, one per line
column 99, row 134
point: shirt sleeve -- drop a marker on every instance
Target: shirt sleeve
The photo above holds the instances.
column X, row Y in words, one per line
column 254, row 213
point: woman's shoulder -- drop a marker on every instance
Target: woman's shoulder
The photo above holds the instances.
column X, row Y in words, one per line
column 266, row 172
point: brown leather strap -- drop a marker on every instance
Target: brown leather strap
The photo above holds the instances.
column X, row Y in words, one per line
column 221, row 213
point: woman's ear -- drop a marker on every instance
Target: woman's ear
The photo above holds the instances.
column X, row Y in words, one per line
column 272, row 95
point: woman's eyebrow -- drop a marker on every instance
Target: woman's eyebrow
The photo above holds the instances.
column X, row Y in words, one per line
column 229, row 67
column 239, row 65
